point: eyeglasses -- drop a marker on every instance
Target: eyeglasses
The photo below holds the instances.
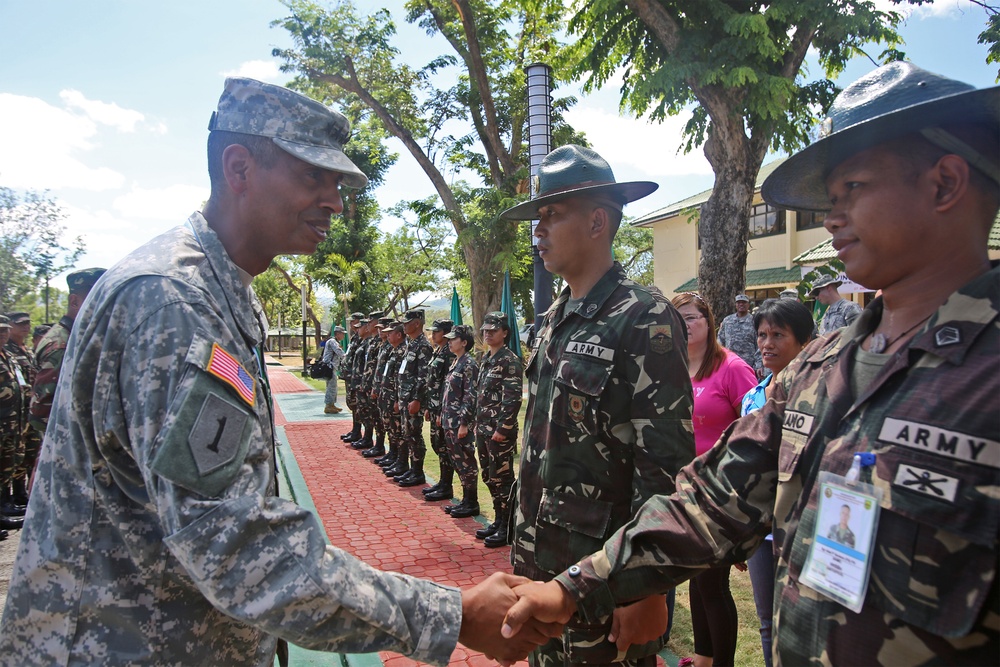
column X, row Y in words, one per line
column 693, row 318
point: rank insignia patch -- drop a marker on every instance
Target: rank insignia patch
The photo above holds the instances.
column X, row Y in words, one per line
column 660, row 340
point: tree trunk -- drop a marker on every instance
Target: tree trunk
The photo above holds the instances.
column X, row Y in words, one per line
column 486, row 282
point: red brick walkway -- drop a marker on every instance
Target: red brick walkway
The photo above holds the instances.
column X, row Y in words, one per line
column 387, row 526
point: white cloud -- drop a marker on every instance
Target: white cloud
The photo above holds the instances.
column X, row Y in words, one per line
column 650, row 148
column 262, row 70
column 108, row 237
column 106, row 113
column 173, row 203
column 38, row 146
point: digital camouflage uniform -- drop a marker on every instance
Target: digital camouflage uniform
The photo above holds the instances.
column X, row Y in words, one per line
column 437, row 368
column 30, row 440
column 458, row 408
column 608, row 425
column 738, row 335
column 153, row 535
column 333, row 354
column 930, row 418
column 49, row 357
column 412, row 386
column 838, row 316
column 498, row 400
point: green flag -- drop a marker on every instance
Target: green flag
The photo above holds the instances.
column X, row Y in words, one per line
column 507, row 306
column 456, row 307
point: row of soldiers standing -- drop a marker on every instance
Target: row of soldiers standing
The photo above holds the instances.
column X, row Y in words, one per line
column 396, row 380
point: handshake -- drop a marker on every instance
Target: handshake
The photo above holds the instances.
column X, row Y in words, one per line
column 506, row 617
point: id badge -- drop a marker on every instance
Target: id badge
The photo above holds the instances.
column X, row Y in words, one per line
column 839, row 561
column 402, row 366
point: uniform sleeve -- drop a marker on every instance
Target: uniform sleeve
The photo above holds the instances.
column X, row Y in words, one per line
column 654, row 354
column 424, row 353
column 470, row 382
column 720, row 513
column 852, row 312
column 512, row 389
column 256, row 557
column 49, row 360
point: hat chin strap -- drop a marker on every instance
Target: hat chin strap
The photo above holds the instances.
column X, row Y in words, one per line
column 952, row 144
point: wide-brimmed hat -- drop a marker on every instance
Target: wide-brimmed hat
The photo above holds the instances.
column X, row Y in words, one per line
column 824, row 281
column 299, row 125
column 575, row 171
column 888, row 103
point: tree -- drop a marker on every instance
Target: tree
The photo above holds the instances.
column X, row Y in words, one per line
column 413, row 257
column 633, row 248
column 740, row 62
column 32, row 249
column 354, row 57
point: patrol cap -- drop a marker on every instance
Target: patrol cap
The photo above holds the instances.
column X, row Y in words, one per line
column 743, row 297
column 41, row 330
column 357, row 316
column 789, row 294
column 823, row 282
column 463, row 331
column 339, row 329
column 18, row 317
column 4, row 322
column 444, row 325
column 495, row 320
column 375, row 314
column 82, row 281
column 888, row 103
column 414, row 314
column 299, row 125
column 384, row 322
column 395, row 326
column 360, row 323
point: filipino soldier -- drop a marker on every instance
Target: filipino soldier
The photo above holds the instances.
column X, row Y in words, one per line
column 387, row 386
column 458, row 416
column 381, row 350
column 498, row 402
column 412, row 394
column 364, row 328
column 346, row 373
column 437, row 369
column 373, row 425
column 11, row 423
column 30, row 440
column 894, row 415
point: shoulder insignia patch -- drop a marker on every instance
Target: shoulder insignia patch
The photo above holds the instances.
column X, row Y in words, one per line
column 660, row 340
column 225, row 367
column 216, row 435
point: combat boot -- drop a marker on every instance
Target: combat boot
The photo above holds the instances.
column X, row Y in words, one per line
column 402, row 465
column 18, row 493
column 470, row 503
column 451, row 507
column 373, row 452
column 8, row 508
column 499, row 536
column 367, row 442
column 353, row 434
column 3, row 535
column 416, row 476
column 491, row 528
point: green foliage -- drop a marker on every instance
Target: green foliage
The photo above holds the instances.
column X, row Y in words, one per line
column 633, row 248
column 32, row 248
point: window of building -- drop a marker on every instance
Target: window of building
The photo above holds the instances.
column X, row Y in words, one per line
column 766, row 221
column 810, row 219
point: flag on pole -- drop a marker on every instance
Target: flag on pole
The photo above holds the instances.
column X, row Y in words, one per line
column 347, row 339
column 507, row 306
column 456, row 307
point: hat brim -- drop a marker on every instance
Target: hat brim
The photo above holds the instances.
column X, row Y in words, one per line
column 816, row 290
column 621, row 192
column 327, row 158
column 799, row 182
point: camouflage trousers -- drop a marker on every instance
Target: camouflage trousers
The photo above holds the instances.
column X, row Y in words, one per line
column 496, row 460
column 462, row 452
column 439, row 445
column 350, row 397
column 31, row 441
column 390, row 422
column 553, row 654
column 413, row 434
column 11, row 454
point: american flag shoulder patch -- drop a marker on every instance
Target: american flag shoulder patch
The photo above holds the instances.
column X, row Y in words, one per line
column 225, row 367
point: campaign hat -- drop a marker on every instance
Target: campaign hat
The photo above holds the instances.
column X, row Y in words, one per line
column 890, row 102
column 299, row 125
column 575, row 171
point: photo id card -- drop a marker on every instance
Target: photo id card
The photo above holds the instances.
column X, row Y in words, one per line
column 839, row 561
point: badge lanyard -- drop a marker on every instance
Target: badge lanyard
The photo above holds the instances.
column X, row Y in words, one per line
column 839, row 560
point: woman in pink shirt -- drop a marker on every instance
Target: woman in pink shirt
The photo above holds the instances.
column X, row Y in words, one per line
column 719, row 379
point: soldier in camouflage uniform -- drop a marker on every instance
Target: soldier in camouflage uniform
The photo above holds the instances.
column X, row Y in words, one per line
column 437, row 369
column 11, row 417
column 374, row 435
column 737, row 334
column 50, row 350
column 458, row 414
column 839, row 311
column 412, row 395
column 387, row 381
column 906, row 397
column 359, row 381
column 608, row 420
column 30, row 441
column 154, row 533
column 498, row 396
column 347, row 374
column 380, row 352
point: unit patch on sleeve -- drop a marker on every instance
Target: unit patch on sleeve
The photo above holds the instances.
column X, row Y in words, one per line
column 660, row 340
column 225, row 367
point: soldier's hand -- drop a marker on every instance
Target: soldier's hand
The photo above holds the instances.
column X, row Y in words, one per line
column 499, row 438
column 414, row 407
column 639, row 623
column 374, row 396
column 395, row 406
column 463, row 431
column 427, row 415
column 544, row 602
column 439, row 420
column 483, row 609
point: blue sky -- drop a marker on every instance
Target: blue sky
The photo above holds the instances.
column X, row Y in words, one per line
column 105, row 103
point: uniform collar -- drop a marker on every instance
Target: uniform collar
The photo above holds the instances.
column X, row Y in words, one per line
column 591, row 304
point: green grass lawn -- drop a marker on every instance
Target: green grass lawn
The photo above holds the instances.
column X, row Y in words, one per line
column 748, row 651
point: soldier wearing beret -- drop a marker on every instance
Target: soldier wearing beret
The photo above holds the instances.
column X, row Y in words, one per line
column 498, row 397
column 15, row 498
column 347, row 374
column 608, row 421
column 155, row 534
column 11, row 422
column 50, row 350
column 437, row 369
column 412, row 394
column 894, row 415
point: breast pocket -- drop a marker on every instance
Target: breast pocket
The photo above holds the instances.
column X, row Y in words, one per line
column 567, row 528
column 579, row 385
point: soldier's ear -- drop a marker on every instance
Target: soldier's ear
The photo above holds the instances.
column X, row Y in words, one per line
column 237, row 164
